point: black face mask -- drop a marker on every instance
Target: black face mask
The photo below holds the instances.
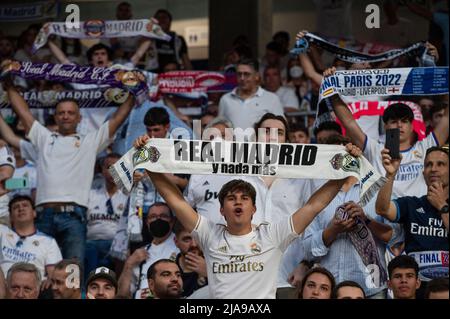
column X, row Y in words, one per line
column 159, row 228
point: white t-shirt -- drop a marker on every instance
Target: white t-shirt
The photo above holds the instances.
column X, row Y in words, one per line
column 28, row 151
column 102, row 221
column 409, row 180
column 243, row 266
column 38, row 249
column 273, row 204
column 245, row 113
column 65, row 164
column 287, row 97
column 165, row 250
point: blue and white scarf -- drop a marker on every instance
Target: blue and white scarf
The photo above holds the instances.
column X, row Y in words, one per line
column 348, row 55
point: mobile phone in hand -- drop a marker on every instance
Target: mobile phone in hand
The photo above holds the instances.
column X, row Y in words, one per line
column 393, row 142
column 17, row 183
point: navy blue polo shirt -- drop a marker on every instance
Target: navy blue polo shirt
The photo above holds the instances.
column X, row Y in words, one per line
column 426, row 238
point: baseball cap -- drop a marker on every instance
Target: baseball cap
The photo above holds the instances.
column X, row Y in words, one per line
column 102, row 272
column 397, row 111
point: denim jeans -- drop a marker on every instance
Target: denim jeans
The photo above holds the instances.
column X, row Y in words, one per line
column 68, row 229
column 97, row 255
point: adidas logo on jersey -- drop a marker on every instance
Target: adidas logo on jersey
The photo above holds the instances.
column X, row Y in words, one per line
column 420, row 210
column 206, row 183
column 222, row 249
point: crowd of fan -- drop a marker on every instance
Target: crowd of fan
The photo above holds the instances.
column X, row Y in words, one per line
column 58, row 228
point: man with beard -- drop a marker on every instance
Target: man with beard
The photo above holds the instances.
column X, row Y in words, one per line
column 164, row 280
column 66, row 280
column 101, row 284
column 190, row 260
column 133, row 280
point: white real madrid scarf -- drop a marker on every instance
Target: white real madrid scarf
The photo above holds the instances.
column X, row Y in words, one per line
column 97, row 29
column 247, row 158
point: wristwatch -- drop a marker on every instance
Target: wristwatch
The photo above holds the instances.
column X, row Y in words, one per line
column 444, row 210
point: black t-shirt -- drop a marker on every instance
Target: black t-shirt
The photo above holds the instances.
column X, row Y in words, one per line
column 426, row 238
column 190, row 280
column 170, row 51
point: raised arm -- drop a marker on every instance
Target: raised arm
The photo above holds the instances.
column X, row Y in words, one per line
column 19, row 105
column 8, row 135
column 58, row 53
column 316, row 203
column 126, row 277
column 143, row 47
column 120, row 115
column 171, row 194
column 344, row 115
column 307, row 65
column 384, row 206
column 441, row 130
column 320, row 199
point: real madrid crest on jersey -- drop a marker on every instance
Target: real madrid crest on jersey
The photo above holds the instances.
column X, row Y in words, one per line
column 417, row 154
column 347, row 162
column 255, row 248
column 173, row 256
column 146, row 154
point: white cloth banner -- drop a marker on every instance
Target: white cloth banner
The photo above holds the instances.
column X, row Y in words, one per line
column 96, row 29
column 245, row 158
column 28, row 11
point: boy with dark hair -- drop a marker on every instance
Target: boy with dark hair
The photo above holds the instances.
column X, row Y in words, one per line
column 437, row 289
column 299, row 134
column 157, row 121
column 243, row 259
column 403, row 277
column 237, row 185
column 349, row 290
column 325, row 130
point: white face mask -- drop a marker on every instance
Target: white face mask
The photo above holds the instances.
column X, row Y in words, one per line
column 295, row 71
